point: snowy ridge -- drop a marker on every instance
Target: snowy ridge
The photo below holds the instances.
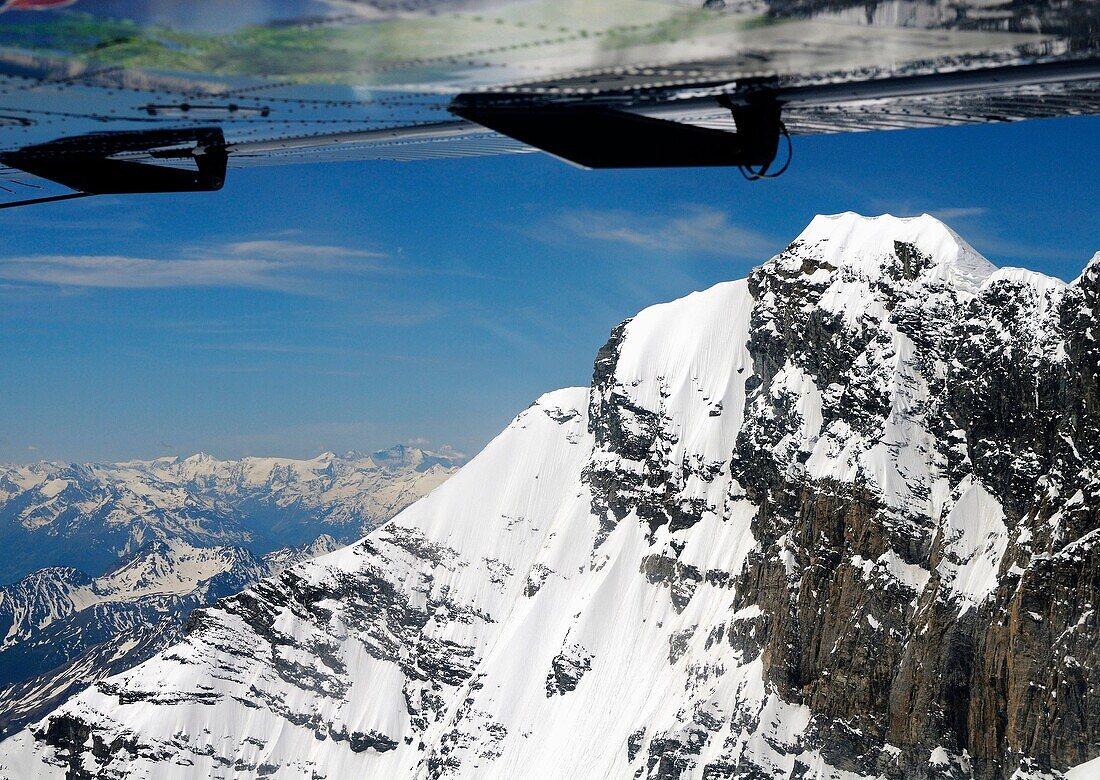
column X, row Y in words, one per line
column 801, row 525
column 164, row 569
column 277, row 560
column 65, row 630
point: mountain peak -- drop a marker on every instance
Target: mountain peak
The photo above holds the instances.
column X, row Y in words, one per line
column 402, row 456
column 1091, row 269
column 870, row 245
column 199, row 457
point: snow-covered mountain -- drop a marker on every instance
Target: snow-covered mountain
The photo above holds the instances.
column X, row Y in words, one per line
column 55, row 613
column 88, row 516
column 170, row 534
column 838, row 520
column 63, row 630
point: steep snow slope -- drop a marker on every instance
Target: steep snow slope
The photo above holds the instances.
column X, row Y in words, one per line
column 411, row 588
column 88, row 516
column 838, row 520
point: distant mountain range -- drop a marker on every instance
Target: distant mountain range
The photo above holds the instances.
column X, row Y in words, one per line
column 161, row 538
column 91, row 516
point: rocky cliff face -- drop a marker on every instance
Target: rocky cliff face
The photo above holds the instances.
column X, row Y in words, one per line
column 838, row 520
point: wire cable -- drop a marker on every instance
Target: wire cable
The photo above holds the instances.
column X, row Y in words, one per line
column 51, row 199
column 762, row 172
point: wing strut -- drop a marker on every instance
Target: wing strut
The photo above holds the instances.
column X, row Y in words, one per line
column 97, row 164
column 599, row 136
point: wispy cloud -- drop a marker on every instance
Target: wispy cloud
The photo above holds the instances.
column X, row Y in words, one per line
column 104, row 213
column 906, row 208
column 295, row 252
column 272, row 348
column 285, row 266
column 140, row 272
column 216, row 327
column 701, row 229
column 977, row 225
column 960, row 212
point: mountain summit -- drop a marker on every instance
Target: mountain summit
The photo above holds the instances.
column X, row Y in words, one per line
column 839, row 520
column 867, row 245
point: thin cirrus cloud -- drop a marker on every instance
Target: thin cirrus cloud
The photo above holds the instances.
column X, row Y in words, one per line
column 284, row 266
column 904, row 208
column 970, row 222
column 701, row 229
column 334, row 257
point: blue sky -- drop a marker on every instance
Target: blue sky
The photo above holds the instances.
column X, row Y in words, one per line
column 352, row 306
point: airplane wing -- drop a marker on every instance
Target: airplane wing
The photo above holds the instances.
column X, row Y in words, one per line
column 100, row 96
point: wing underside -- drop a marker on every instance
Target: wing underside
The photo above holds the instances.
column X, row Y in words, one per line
column 623, row 82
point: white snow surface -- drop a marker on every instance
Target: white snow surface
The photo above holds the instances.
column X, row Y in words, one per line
column 976, row 539
column 1090, row 770
column 863, row 244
